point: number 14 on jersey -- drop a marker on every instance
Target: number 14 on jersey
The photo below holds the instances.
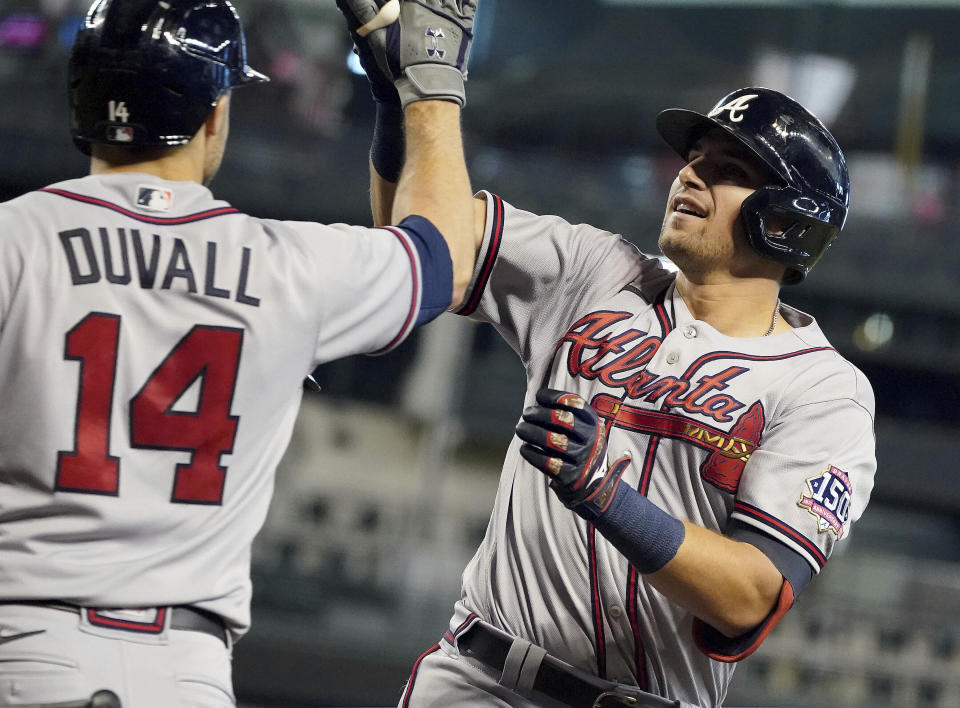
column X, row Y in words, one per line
column 207, row 356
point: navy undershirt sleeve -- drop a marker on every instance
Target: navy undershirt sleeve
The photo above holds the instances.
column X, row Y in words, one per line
column 791, row 564
column 435, row 264
column 387, row 148
column 796, row 572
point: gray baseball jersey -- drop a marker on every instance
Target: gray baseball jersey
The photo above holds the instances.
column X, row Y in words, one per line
column 153, row 347
column 768, row 440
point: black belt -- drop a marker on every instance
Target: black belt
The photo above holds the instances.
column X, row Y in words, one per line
column 554, row 678
column 181, row 617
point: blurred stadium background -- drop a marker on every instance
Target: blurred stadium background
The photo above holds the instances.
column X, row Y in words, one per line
column 385, row 491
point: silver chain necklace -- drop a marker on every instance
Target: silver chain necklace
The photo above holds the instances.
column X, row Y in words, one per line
column 773, row 323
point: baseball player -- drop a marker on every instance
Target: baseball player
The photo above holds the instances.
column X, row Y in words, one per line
column 692, row 449
column 154, row 341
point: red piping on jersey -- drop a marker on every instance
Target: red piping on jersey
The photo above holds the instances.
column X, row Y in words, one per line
column 598, row 633
column 647, row 470
column 667, row 327
column 787, row 530
column 633, row 612
column 405, row 702
column 156, row 627
column 661, row 311
column 452, row 638
column 640, row 655
column 156, row 220
column 415, row 275
column 784, row 603
column 740, row 356
column 496, row 238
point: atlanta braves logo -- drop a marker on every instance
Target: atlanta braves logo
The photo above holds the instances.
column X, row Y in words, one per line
column 736, row 107
column 729, row 450
column 619, row 360
column 725, row 465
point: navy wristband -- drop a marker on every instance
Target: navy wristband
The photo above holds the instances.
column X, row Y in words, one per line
column 644, row 533
column 388, row 144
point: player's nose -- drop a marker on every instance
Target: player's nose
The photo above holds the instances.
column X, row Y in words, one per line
column 690, row 174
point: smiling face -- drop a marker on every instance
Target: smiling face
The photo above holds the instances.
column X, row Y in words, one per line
column 702, row 231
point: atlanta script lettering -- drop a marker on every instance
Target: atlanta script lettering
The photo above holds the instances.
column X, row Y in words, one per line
column 619, row 360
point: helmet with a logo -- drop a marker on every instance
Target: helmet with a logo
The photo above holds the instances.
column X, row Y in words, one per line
column 149, row 72
column 812, row 195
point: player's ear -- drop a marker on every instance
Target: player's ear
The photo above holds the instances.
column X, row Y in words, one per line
column 219, row 121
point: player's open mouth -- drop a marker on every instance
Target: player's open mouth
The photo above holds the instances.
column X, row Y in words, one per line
column 686, row 206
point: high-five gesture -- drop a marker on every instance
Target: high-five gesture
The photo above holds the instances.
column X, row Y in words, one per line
column 421, row 46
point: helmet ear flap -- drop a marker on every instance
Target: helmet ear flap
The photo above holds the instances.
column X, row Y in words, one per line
column 800, row 239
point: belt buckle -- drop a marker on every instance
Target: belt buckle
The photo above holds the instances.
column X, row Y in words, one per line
column 621, row 699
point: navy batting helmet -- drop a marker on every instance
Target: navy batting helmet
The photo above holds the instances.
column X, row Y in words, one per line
column 149, row 72
column 814, row 193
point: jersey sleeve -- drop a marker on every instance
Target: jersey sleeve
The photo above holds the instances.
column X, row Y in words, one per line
column 534, row 272
column 812, row 474
column 803, row 488
column 373, row 286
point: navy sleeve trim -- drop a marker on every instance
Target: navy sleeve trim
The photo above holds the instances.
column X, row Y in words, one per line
column 472, row 300
column 436, row 267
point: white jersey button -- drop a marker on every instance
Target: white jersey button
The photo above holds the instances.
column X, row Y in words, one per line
column 616, row 611
column 690, row 332
column 673, row 358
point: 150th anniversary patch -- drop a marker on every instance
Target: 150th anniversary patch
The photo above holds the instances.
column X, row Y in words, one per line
column 828, row 499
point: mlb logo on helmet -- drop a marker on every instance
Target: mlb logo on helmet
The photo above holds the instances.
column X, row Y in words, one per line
column 119, row 134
